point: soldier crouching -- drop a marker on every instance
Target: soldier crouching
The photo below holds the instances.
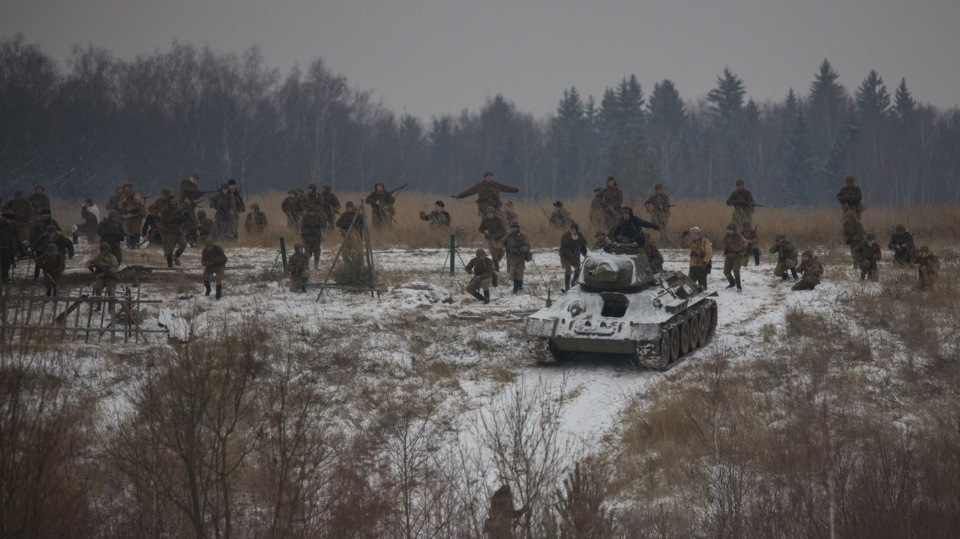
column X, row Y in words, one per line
column 867, row 254
column 786, row 257
column 299, row 266
column 482, row 269
column 929, row 268
column 214, row 262
column 812, row 270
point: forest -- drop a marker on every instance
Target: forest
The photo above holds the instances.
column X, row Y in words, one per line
column 99, row 121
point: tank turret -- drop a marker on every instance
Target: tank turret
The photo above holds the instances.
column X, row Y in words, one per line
column 618, row 266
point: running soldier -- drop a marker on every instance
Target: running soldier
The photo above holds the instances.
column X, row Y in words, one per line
column 701, row 255
column 224, row 204
column 106, row 269
column 311, row 232
column 189, row 188
column 786, row 257
column 560, row 218
column 214, row 262
column 172, row 225
column 52, row 237
column 439, row 218
column 572, row 246
column 329, row 206
column 611, row 200
column 482, row 269
column 658, row 206
column 38, row 228
column 928, row 266
column 204, row 226
column 742, row 202
column 812, row 271
column 901, row 243
column 299, row 267
column 488, row 193
column 494, row 231
column 381, row 203
column 653, row 256
column 256, row 222
column 753, row 244
column 293, row 208
column 91, row 219
column 132, row 213
column 517, row 247
column 866, row 256
column 311, row 197
column 509, row 215
column 52, row 263
column 851, row 197
column 734, row 247
column 111, row 233
column 853, row 233
column 238, row 208
column 22, row 215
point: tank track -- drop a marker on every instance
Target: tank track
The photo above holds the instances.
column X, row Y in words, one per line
column 679, row 337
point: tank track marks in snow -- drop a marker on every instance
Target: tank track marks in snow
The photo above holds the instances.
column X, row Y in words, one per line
column 679, row 337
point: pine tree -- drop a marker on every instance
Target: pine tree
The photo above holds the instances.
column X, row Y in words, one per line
column 873, row 100
column 798, row 161
column 903, row 102
column 726, row 100
column 666, row 120
column 569, row 134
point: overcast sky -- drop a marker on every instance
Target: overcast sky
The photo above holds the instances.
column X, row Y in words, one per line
column 430, row 57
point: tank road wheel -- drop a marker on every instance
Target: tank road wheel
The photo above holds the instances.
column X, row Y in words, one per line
column 693, row 326
column 705, row 320
column 674, row 343
column 667, row 352
column 685, row 341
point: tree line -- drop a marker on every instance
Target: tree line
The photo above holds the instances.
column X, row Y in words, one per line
column 156, row 118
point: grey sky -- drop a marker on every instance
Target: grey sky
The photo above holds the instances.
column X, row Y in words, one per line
column 429, row 57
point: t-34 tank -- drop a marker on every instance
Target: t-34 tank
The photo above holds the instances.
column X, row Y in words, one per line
column 622, row 307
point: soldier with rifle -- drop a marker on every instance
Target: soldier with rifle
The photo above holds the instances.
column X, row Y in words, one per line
column 742, row 202
column 292, row 207
column 517, row 247
column 867, row 255
column 214, row 262
column 53, row 236
column 786, row 257
column 311, row 232
column 106, row 268
column 52, row 263
column 22, row 214
column 611, row 200
column 238, row 207
column 901, row 243
column 560, row 218
column 172, row 226
column 658, row 206
column 329, row 207
column 190, row 188
column 91, row 219
column 224, row 204
column 851, row 197
column 132, row 212
column 439, row 218
column 812, row 270
column 484, row 273
column 256, row 222
column 493, row 231
column 629, row 229
column 753, row 242
column 111, row 234
column 381, row 201
column 488, row 193
column 928, row 266
column 38, row 200
column 572, row 246
column 351, row 224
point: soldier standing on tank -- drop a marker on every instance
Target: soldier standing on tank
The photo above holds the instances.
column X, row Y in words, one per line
column 658, row 206
column 629, row 229
column 488, row 193
column 753, row 244
column 653, row 256
column 611, row 200
column 111, row 233
column 106, row 269
column 851, row 197
column 311, row 232
column 853, row 233
column 742, row 202
column 482, row 269
column 381, row 202
column 901, row 243
column 52, row 263
column 493, row 231
column 329, row 206
column 701, row 255
column 293, row 209
column 214, row 262
column 439, row 218
column 517, row 246
column 560, row 218
column 600, row 241
column 172, row 224
column 928, row 266
column 502, row 516
column 812, row 270
column 867, row 255
column 734, row 247
column 256, row 222
column 572, row 246
column 299, row 267
column 786, row 257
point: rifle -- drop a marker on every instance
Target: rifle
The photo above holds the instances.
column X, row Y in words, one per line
column 397, row 190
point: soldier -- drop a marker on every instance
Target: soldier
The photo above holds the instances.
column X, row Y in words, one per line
column 853, row 233
column 52, row 237
column 350, row 224
column 928, row 266
column 786, row 257
column 22, row 215
column 701, row 255
column 106, row 268
column 611, row 200
column 494, row 231
column 293, row 208
column 132, row 213
column 329, row 206
column 753, row 244
column 812, row 271
column 238, row 207
column 189, row 187
column 488, row 193
column 482, row 269
column 653, row 255
column 600, row 241
column 509, row 215
column 596, row 209
column 734, row 247
column 560, row 218
column 172, row 225
column 629, row 229
column 38, row 200
column 38, row 228
column 151, row 230
column 658, row 206
column 438, row 218
column 9, row 244
column 113, row 203
column 742, row 202
column 850, row 197
column 52, row 263
column 299, row 267
column 572, row 246
column 111, row 233
column 224, row 204
column 214, row 262
column 256, row 222
column 204, row 226
column 311, row 197
column 91, row 219
column 867, row 254
column 500, row 520
column 381, row 202
column 517, row 246
column 161, row 203
column 311, row 232
column 901, row 243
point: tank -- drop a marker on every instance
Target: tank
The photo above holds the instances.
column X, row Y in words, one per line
column 622, row 307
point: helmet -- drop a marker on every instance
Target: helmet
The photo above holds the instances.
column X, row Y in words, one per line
column 487, row 173
column 600, row 233
column 807, row 254
column 439, row 203
column 104, row 247
column 695, row 230
column 850, row 179
column 514, row 224
column 924, row 250
column 558, row 204
column 657, row 186
column 781, row 237
column 850, row 213
column 255, row 206
column 901, row 228
column 299, row 247
column 201, row 214
column 489, row 209
column 208, row 242
column 626, row 209
column 740, row 183
column 731, row 227
column 165, row 192
column 312, row 187
column 481, row 253
column 349, row 204
column 746, row 224
column 325, row 187
column 871, row 237
column 379, row 184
